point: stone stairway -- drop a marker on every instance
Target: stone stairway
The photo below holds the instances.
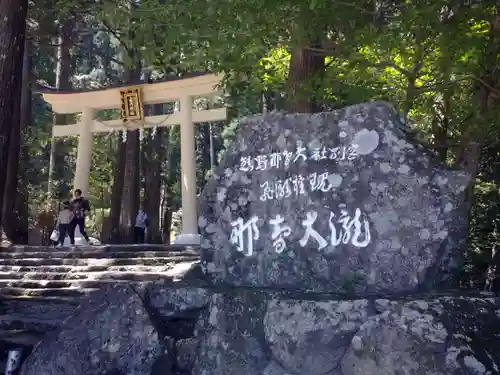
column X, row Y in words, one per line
column 41, row 286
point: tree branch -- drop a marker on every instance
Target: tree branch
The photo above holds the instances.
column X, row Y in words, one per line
column 117, row 61
column 434, row 87
column 335, row 52
column 116, row 35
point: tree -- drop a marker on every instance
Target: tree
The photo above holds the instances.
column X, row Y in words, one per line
column 12, row 43
column 14, row 205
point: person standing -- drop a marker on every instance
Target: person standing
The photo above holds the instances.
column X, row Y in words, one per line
column 64, row 225
column 141, row 224
column 81, row 209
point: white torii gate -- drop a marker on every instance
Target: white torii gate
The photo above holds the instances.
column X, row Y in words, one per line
column 182, row 90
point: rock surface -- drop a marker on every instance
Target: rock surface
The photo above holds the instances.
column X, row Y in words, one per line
column 436, row 336
column 112, row 332
column 198, row 331
column 333, row 202
column 257, row 333
column 123, row 330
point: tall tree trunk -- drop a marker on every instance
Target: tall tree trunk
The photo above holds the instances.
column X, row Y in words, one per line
column 117, row 192
column 130, row 194
column 152, row 176
column 441, row 121
column 131, row 187
column 442, row 131
column 470, row 144
column 12, row 43
column 63, row 75
column 306, row 66
column 212, row 148
column 21, row 207
column 203, row 135
column 11, row 215
column 130, row 182
column 167, row 194
column 153, row 156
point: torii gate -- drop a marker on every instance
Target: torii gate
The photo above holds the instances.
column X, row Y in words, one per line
column 181, row 90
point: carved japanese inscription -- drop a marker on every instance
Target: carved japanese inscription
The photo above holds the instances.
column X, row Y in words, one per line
column 286, row 158
column 336, row 201
column 296, row 185
column 345, row 228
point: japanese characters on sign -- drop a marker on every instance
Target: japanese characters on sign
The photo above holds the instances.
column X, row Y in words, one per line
column 344, row 229
column 131, row 104
column 284, row 159
column 296, row 185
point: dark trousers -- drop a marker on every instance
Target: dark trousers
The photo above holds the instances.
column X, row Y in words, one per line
column 66, row 229
column 139, row 235
column 80, row 223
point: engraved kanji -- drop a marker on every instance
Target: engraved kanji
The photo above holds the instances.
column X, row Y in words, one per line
column 335, row 237
column 283, row 189
column 361, row 229
column 279, row 232
column 275, row 160
column 320, row 182
column 246, row 164
column 287, row 158
column 262, row 162
column 267, row 191
column 334, row 153
column 351, row 152
column 319, row 154
column 298, row 185
column 311, row 232
column 241, row 230
column 300, row 154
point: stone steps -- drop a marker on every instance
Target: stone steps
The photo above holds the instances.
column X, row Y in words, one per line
column 153, row 261
column 63, row 272
column 100, row 248
column 142, row 274
column 62, row 284
column 86, row 254
column 104, row 267
column 41, row 286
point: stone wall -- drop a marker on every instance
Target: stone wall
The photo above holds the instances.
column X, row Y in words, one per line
column 165, row 329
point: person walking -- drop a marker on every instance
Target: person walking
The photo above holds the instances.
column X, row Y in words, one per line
column 64, row 224
column 141, row 224
column 81, row 209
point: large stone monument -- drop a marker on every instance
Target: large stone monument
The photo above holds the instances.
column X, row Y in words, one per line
column 325, row 239
column 333, row 202
column 330, row 232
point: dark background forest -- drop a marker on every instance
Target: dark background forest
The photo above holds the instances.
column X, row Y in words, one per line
column 436, row 61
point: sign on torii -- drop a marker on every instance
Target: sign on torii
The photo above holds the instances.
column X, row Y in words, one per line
column 181, row 90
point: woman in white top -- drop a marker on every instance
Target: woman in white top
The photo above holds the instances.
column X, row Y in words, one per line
column 141, row 223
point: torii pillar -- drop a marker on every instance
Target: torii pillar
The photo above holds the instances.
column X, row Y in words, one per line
column 188, row 175
column 84, row 152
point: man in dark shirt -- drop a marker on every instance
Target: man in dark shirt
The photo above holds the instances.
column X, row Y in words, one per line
column 81, row 209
